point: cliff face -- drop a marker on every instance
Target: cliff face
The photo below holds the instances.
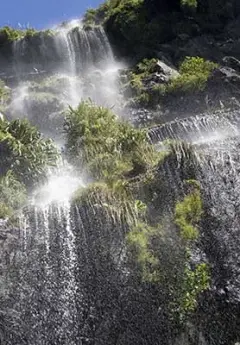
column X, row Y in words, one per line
column 139, row 28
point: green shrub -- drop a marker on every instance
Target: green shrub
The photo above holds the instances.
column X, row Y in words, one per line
column 4, row 94
column 195, row 72
column 105, row 146
column 188, row 213
column 139, row 242
column 10, row 34
column 12, row 194
column 24, row 151
column 189, row 3
column 194, row 283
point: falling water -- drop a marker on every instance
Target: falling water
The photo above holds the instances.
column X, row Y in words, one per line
column 215, row 141
column 59, row 69
column 58, row 290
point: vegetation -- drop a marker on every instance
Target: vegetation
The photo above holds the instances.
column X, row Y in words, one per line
column 195, row 72
column 105, row 147
column 12, row 194
column 112, row 150
column 189, row 3
column 188, row 213
column 9, row 34
column 24, row 151
column 4, row 95
column 24, row 161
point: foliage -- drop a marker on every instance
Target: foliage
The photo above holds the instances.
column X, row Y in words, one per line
column 139, row 240
column 194, row 283
column 189, row 3
column 195, row 72
column 107, row 147
column 116, row 200
column 89, row 16
column 8, row 34
column 170, row 269
column 188, row 213
column 12, row 194
column 24, row 151
column 120, row 160
column 147, row 66
column 137, row 85
column 11, row 34
column 4, row 94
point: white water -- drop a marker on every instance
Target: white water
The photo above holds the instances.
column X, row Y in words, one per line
column 55, row 72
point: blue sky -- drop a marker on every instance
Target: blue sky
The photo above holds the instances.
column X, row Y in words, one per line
column 42, row 13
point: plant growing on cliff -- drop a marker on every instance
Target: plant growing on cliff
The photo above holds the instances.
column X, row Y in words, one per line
column 12, row 194
column 24, row 151
column 174, row 275
column 9, row 34
column 189, row 3
column 188, row 213
column 4, row 94
column 105, row 146
column 195, row 72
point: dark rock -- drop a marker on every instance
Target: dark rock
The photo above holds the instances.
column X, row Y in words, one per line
column 225, row 75
column 231, row 62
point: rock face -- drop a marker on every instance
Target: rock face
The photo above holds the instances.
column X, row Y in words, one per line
column 9, row 244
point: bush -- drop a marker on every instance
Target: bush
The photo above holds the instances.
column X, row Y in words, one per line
column 105, row 146
column 12, row 194
column 189, row 3
column 188, row 213
column 4, row 94
column 25, row 152
column 195, row 72
column 8, row 34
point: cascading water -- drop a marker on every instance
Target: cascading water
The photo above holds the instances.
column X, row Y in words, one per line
column 60, row 69
column 215, row 142
column 47, row 287
column 63, row 287
column 51, row 270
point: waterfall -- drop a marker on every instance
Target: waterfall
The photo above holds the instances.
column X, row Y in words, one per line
column 54, row 70
column 65, row 279
column 199, row 128
column 214, row 139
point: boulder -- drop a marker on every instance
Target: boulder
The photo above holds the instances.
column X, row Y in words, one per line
column 161, row 73
column 231, row 62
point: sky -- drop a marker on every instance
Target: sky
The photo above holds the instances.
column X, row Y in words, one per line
column 42, row 14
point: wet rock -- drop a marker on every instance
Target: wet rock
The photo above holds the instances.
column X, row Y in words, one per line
column 225, row 75
column 232, row 62
column 161, row 73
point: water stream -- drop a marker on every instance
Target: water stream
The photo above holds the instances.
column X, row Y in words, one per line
column 58, row 290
